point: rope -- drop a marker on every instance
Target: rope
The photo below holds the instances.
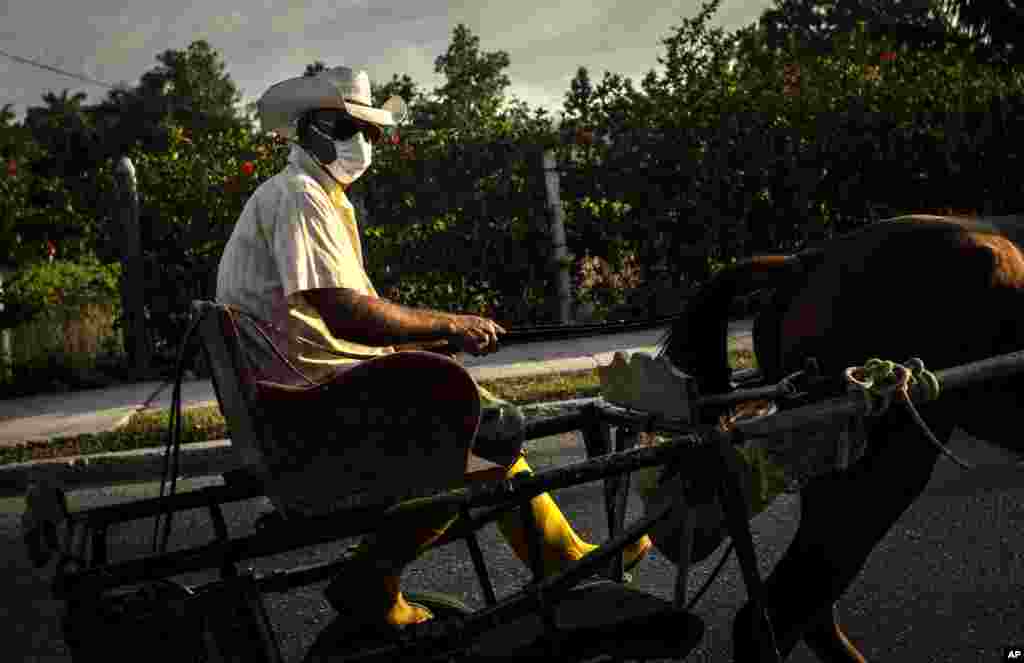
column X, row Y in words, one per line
column 880, row 381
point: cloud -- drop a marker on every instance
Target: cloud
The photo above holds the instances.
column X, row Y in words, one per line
column 415, row 60
column 295, row 16
column 117, row 47
column 291, row 20
column 265, row 42
column 257, row 44
column 228, row 23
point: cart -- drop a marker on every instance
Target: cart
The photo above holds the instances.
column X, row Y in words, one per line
column 587, row 611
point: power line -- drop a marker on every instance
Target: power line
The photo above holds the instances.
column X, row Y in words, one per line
column 56, row 70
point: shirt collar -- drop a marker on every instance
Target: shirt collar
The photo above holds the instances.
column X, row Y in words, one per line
column 304, row 162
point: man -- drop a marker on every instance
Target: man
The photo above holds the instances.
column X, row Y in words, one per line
column 295, row 261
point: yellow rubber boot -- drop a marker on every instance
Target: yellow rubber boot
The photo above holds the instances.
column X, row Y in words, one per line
column 370, row 585
column 560, row 545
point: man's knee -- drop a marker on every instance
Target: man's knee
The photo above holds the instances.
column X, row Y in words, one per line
column 501, row 434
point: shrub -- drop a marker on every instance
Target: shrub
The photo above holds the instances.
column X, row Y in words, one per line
column 59, row 318
column 59, row 285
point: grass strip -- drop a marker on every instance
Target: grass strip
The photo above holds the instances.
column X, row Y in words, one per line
column 202, row 424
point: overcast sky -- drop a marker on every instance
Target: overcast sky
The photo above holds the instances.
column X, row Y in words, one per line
column 264, row 42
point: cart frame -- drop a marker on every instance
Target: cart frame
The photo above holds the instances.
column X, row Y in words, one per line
column 85, row 573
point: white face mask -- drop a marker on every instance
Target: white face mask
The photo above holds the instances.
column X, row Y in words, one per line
column 354, row 157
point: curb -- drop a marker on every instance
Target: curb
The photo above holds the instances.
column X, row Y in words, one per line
column 141, row 465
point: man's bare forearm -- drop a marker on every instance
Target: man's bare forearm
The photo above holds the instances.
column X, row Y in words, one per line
column 377, row 322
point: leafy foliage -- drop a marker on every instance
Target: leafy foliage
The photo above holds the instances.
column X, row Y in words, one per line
column 997, row 24
column 814, row 24
column 743, row 142
column 43, row 285
column 748, row 143
column 314, row 69
column 39, row 208
column 191, row 198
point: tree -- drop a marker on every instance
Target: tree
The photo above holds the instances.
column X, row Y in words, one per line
column 194, row 85
column 579, row 100
column 13, row 136
column 6, row 116
column 474, row 83
column 997, row 24
column 190, row 89
column 811, row 24
column 64, row 130
column 697, row 62
column 315, row 68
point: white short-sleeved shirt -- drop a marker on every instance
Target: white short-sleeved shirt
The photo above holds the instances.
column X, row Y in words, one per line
column 297, row 232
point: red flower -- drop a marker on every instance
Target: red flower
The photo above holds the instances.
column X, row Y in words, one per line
column 791, row 79
column 887, row 56
column 584, row 137
column 51, row 248
column 12, row 168
column 395, row 138
column 248, row 168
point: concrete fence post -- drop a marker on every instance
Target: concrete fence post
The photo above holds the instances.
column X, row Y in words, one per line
column 559, row 250
column 6, row 355
column 136, row 341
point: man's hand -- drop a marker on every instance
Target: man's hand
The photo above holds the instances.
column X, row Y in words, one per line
column 377, row 322
column 475, row 335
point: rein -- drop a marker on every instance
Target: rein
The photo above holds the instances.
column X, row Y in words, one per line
column 514, row 336
column 562, row 332
column 880, row 381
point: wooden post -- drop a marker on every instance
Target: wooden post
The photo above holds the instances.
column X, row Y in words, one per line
column 136, row 342
column 6, row 356
column 559, row 254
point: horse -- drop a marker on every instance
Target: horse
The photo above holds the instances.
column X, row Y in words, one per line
column 947, row 289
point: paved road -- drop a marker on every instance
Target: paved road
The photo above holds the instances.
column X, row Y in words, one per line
column 46, row 416
column 947, row 585
column 95, row 411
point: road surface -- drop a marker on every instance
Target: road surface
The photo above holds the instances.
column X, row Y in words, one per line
column 947, row 584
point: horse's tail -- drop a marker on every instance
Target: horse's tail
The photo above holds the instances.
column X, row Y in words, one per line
column 696, row 342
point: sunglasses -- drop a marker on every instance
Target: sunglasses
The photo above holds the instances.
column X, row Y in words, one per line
column 342, row 126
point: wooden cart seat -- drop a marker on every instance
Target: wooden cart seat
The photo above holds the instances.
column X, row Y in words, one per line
column 395, row 426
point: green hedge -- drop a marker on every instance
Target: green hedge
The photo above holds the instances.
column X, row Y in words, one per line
column 43, row 286
column 703, row 164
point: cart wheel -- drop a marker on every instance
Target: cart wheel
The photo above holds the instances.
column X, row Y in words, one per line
column 340, row 637
column 148, row 621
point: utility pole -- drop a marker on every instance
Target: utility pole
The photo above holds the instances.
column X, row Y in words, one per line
column 133, row 303
column 559, row 252
column 6, row 356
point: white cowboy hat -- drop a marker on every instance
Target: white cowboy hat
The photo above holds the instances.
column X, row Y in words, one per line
column 339, row 87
